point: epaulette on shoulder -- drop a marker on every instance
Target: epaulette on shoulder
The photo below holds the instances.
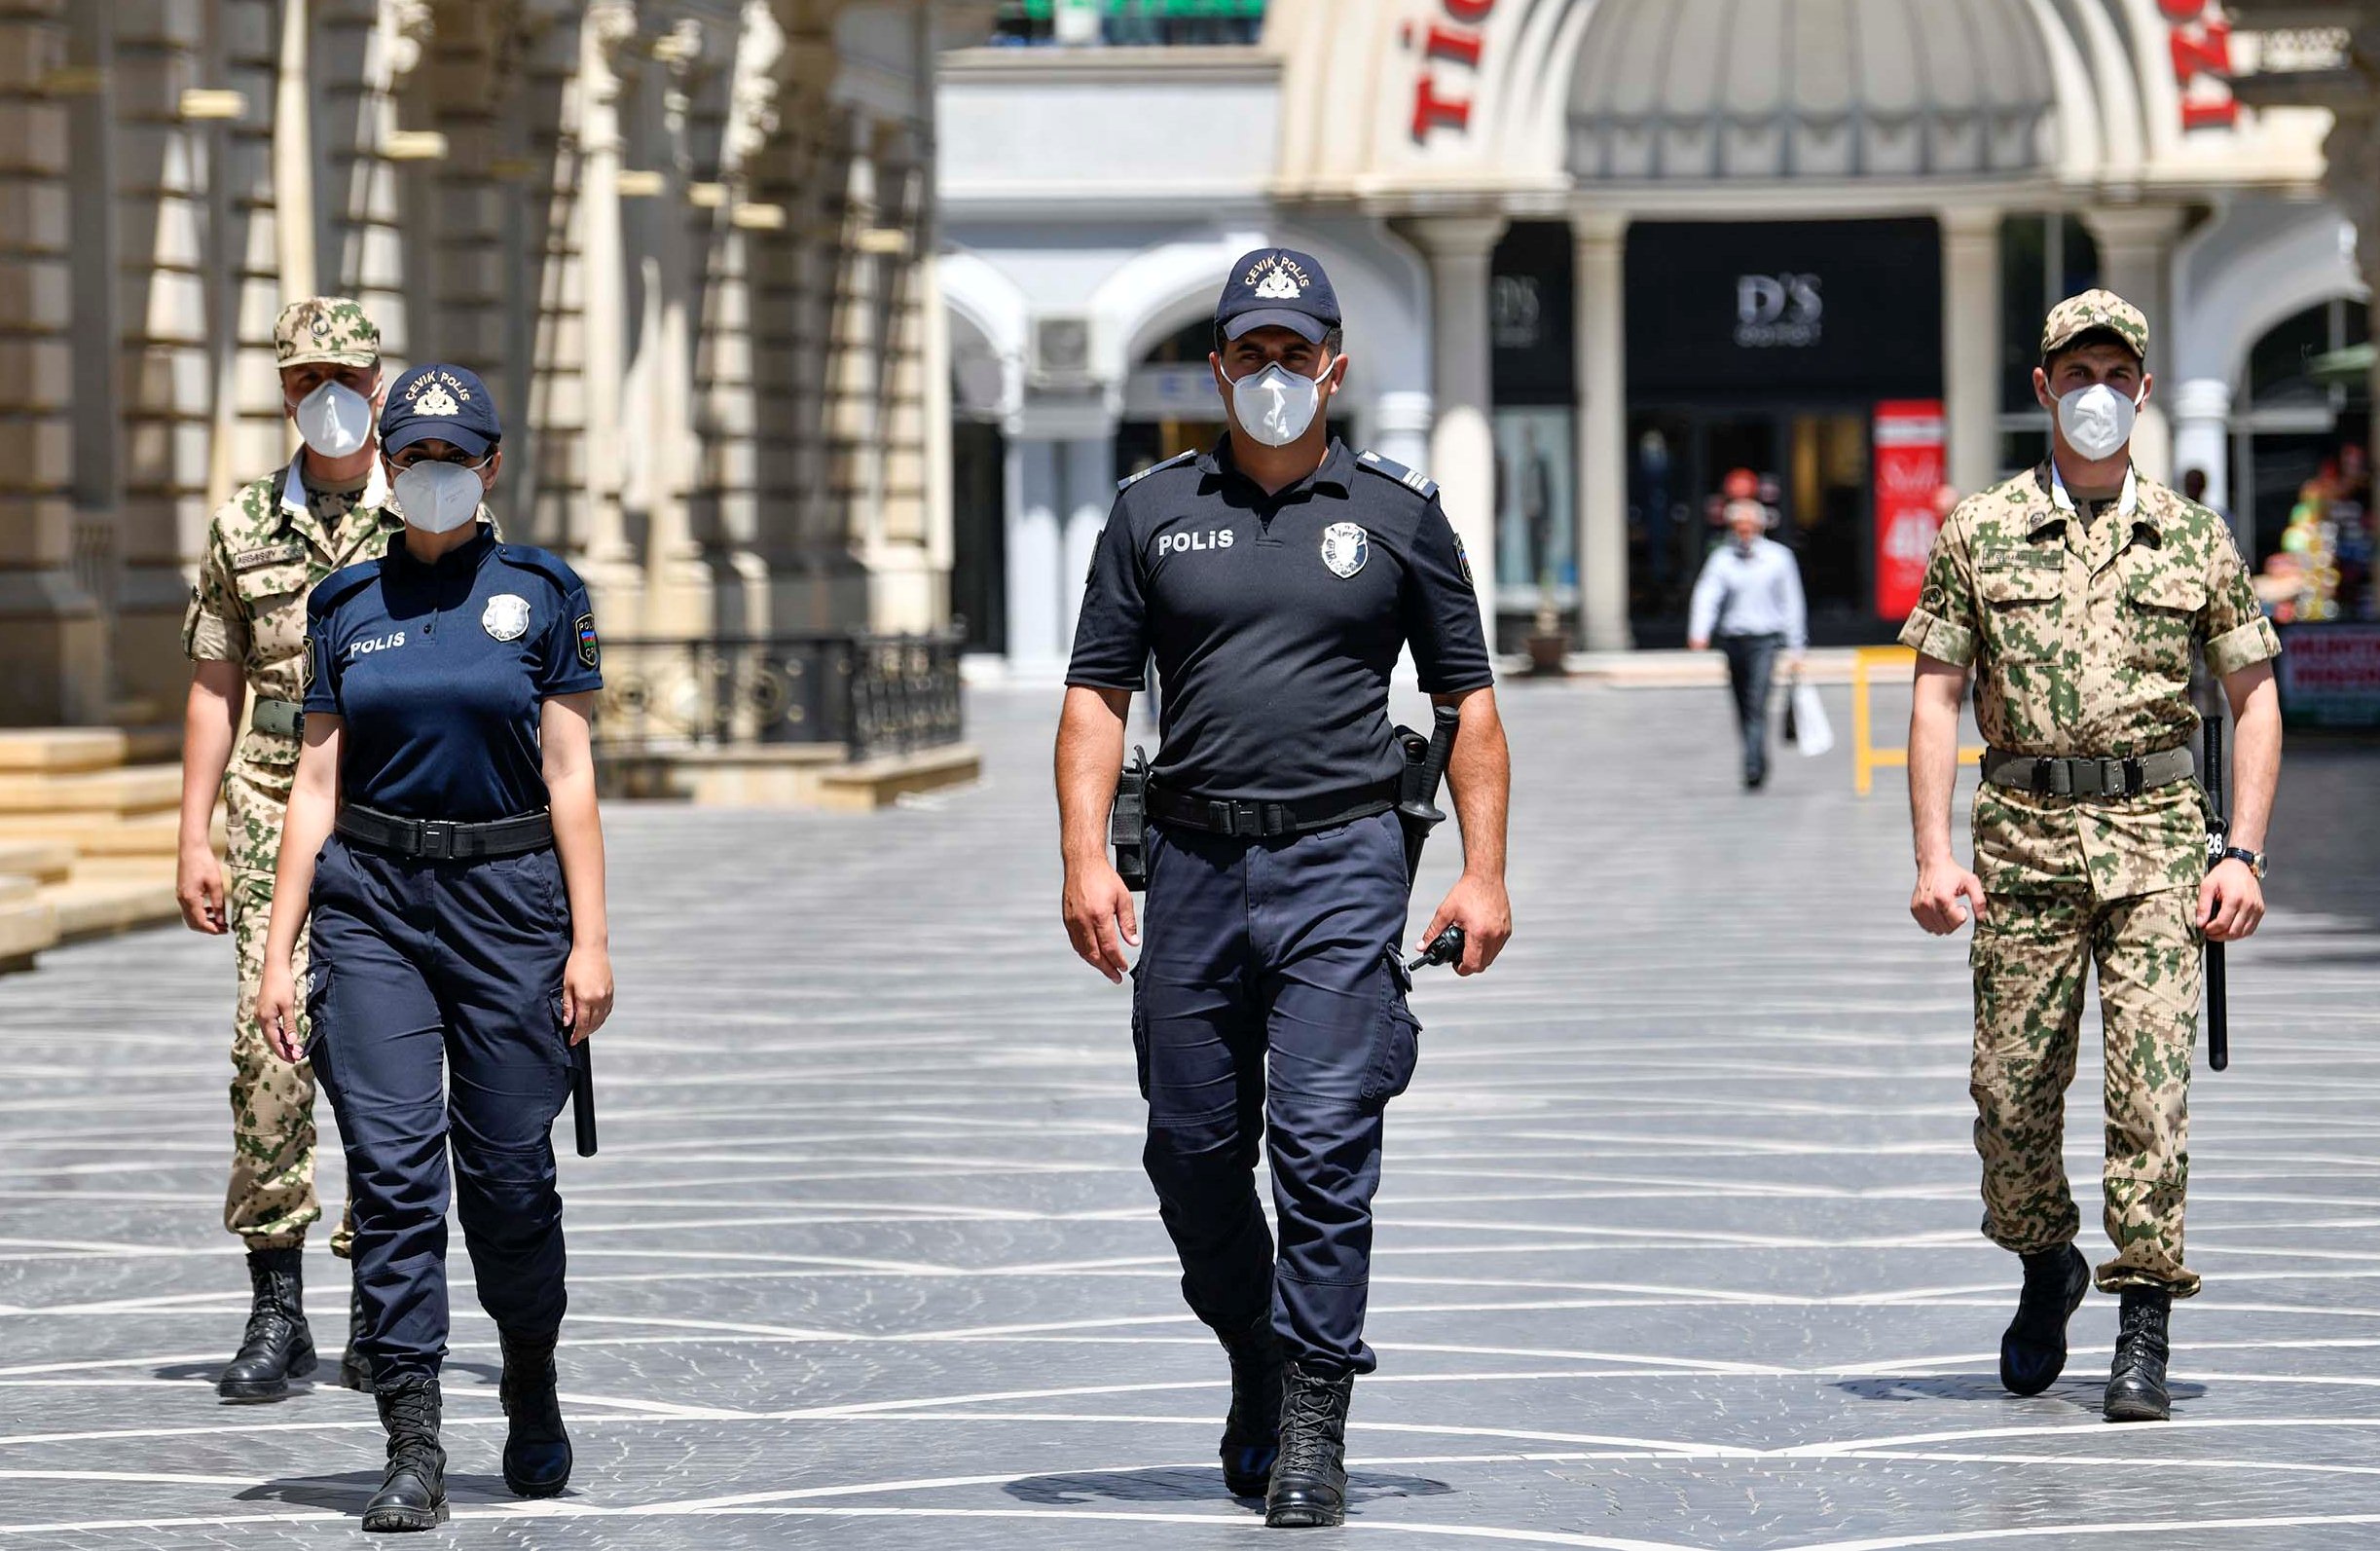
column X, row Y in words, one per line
column 1418, row 483
column 342, row 584
column 545, row 563
column 1175, row 461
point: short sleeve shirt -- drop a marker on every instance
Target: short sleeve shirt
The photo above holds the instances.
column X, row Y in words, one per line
column 2081, row 634
column 440, row 673
column 266, row 547
column 1274, row 620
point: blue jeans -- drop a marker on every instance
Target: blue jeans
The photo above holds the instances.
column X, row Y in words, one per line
column 1752, row 668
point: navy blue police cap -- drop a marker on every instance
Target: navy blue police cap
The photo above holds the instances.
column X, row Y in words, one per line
column 442, row 404
column 1277, row 287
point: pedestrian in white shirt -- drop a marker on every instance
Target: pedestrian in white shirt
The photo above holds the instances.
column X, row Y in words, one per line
column 1749, row 600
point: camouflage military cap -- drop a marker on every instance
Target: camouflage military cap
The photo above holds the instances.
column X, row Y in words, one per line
column 325, row 328
column 2077, row 315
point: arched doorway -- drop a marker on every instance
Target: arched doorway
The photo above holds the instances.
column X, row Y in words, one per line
column 2301, row 466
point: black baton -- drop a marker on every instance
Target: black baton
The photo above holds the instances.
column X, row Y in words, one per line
column 1419, row 812
column 2218, row 837
column 582, row 1097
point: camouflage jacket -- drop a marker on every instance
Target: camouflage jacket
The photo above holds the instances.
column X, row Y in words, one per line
column 2081, row 635
column 266, row 549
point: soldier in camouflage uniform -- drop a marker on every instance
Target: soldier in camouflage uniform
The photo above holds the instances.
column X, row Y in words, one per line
column 2076, row 592
column 266, row 549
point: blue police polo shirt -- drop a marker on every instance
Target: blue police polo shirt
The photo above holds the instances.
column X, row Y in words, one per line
column 1275, row 620
column 441, row 670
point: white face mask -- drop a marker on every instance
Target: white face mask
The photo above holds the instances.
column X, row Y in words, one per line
column 1276, row 405
column 439, row 498
column 2098, row 419
column 335, row 419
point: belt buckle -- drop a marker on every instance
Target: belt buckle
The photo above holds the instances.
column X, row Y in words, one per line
column 2045, row 777
column 437, row 841
column 1247, row 819
column 2136, row 777
column 2112, row 778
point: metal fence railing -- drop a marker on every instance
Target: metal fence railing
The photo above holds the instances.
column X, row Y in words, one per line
column 873, row 694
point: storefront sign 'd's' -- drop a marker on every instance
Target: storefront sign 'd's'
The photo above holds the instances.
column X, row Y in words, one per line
column 1456, row 40
column 1774, row 310
column 1908, row 470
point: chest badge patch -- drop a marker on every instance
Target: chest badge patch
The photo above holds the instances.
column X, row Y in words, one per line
column 1345, row 546
column 506, row 618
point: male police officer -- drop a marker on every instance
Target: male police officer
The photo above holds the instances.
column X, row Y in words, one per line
column 266, row 549
column 2076, row 590
column 1275, row 580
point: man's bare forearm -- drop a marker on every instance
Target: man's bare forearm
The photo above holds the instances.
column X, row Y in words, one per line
column 1933, row 756
column 211, row 726
column 2255, row 753
column 1480, row 773
column 1091, row 752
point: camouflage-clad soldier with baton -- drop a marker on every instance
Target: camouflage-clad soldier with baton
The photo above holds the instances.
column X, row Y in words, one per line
column 2076, row 592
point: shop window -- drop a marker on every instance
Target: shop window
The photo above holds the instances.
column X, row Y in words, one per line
column 1143, row 23
column 2301, row 477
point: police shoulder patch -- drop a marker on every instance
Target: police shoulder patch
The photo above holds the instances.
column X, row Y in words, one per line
column 306, row 663
column 1130, row 480
column 1418, row 483
column 590, row 650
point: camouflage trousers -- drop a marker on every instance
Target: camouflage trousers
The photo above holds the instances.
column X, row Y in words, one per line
column 2030, row 955
column 271, row 1200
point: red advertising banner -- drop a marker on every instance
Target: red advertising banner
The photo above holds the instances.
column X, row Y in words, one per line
column 1909, row 466
column 2330, row 674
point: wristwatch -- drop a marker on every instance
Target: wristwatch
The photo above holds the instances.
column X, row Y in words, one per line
column 2241, row 853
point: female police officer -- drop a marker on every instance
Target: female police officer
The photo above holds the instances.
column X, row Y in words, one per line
column 457, row 920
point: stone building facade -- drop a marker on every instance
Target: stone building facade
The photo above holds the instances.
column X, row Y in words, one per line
column 689, row 244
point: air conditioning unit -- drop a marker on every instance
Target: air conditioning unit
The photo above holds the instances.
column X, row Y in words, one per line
column 1061, row 351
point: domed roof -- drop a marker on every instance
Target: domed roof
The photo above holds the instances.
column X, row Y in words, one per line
column 1710, row 91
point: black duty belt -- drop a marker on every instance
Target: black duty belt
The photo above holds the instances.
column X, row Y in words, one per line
column 2057, row 777
column 442, row 840
column 1245, row 819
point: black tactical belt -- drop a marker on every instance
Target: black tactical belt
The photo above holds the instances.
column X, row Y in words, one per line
column 441, row 840
column 2050, row 777
column 283, row 718
column 1246, row 820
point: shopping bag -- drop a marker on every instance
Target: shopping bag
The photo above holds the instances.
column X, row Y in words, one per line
column 1806, row 725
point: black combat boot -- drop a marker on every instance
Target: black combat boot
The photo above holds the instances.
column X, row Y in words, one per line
column 537, row 1451
column 1309, row 1480
column 278, row 1346
column 2136, row 1387
column 354, row 1368
column 1252, row 1433
column 2033, row 1352
column 413, row 1492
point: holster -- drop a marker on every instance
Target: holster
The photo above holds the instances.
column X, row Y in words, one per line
column 1411, row 776
column 1128, row 822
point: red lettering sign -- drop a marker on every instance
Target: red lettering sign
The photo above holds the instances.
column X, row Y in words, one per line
column 2201, row 45
column 1909, row 469
column 1431, row 110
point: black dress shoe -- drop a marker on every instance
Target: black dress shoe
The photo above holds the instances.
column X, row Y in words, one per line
column 536, row 1448
column 1309, row 1480
column 2032, row 1351
column 412, row 1490
column 2136, row 1384
column 1252, row 1433
column 278, row 1346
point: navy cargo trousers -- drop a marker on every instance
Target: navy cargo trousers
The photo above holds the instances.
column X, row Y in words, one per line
column 435, row 1019
column 1269, row 1006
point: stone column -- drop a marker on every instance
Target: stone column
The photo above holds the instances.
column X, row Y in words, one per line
column 1600, row 247
column 1462, row 442
column 2202, row 438
column 609, row 570
column 1970, row 346
column 49, row 632
column 1398, row 428
column 1089, row 468
column 678, row 588
column 1038, row 629
column 2136, row 261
